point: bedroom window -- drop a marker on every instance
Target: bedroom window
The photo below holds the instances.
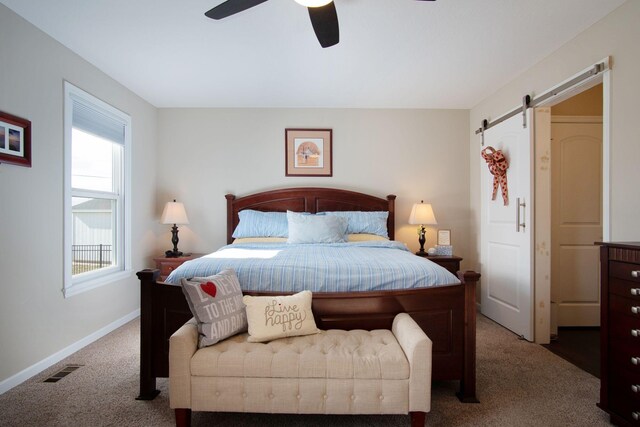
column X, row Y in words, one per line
column 97, row 182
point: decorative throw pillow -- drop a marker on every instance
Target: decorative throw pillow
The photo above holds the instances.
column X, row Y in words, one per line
column 216, row 303
column 279, row 316
column 305, row 228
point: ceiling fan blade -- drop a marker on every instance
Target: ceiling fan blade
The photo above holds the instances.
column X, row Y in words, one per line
column 231, row 7
column 325, row 24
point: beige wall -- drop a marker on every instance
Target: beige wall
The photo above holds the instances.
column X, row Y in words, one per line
column 36, row 321
column 416, row 154
column 616, row 35
column 587, row 103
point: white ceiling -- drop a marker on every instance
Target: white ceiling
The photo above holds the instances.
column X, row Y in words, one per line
column 392, row 53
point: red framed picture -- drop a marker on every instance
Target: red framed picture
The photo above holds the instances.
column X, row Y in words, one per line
column 15, row 140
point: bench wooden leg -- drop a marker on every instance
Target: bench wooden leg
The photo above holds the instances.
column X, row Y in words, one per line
column 418, row 419
column 183, row 417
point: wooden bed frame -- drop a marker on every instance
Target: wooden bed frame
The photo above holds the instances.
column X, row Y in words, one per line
column 446, row 313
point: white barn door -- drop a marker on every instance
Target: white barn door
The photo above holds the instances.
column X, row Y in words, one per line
column 506, row 257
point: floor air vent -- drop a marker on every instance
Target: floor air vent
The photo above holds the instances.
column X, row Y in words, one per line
column 62, row 373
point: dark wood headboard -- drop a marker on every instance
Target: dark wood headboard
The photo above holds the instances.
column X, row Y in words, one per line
column 308, row 199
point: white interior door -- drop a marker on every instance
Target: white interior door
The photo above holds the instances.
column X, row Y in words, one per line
column 576, row 221
column 507, row 284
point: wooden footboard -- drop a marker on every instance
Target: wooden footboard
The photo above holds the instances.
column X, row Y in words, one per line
column 446, row 313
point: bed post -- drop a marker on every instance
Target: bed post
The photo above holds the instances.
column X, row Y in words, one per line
column 148, row 389
column 391, row 220
column 467, row 391
column 230, row 198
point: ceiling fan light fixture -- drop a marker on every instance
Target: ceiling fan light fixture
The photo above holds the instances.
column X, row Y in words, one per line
column 313, row 3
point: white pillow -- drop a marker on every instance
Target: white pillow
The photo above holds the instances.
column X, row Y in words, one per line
column 275, row 317
column 305, row 228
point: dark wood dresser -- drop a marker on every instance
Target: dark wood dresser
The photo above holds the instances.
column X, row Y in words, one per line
column 620, row 332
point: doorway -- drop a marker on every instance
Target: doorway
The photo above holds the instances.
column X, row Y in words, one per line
column 570, row 200
column 520, row 287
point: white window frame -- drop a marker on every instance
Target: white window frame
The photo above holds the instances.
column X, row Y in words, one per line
column 122, row 268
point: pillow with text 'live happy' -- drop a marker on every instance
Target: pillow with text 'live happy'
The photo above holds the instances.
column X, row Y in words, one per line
column 216, row 303
column 275, row 317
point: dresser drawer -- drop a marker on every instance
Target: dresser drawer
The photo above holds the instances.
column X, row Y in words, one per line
column 626, row 385
column 623, row 326
column 166, row 268
column 625, row 270
column 622, row 400
column 622, row 354
column 629, row 306
column 625, row 409
column 624, row 288
column 167, row 265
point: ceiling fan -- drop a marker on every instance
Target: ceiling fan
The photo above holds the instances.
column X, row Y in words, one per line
column 324, row 17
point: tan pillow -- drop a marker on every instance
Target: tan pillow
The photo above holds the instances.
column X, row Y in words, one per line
column 364, row 237
column 275, row 317
column 260, row 240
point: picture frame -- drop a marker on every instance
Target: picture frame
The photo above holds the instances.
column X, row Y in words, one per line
column 308, row 152
column 444, row 237
column 15, row 140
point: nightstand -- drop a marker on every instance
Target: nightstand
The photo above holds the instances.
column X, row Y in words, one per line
column 450, row 262
column 167, row 265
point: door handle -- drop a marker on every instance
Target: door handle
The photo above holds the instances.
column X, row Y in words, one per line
column 518, row 206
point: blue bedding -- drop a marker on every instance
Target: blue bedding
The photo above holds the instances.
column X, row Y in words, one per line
column 331, row 267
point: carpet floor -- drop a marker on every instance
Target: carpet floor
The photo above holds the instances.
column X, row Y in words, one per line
column 518, row 384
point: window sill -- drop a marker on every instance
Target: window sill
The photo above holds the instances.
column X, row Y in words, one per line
column 96, row 282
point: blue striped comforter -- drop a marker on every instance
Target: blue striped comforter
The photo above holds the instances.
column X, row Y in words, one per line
column 334, row 267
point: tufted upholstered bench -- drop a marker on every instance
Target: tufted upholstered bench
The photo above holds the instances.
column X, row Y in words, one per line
column 333, row 372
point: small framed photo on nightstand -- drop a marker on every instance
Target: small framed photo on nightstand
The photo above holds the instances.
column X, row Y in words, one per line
column 444, row 237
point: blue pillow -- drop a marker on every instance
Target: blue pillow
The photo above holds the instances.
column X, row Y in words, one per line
column 359, row 222
column 305, row 228
column 261, row 224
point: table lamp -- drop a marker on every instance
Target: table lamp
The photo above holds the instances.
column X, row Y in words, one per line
column 175, row 214
column 422, row 214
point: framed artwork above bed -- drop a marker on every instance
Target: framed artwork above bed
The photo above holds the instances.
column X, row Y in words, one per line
column 308, row 152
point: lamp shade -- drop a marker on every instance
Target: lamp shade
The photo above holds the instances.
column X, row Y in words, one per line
column 174, row 213
column 314, row 3
column 422, row 213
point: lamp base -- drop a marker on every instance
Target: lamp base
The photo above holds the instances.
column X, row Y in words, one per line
column 173, row 254
column 422, row 240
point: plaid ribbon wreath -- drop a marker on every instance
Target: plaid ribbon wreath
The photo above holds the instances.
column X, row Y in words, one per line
column 498, row 165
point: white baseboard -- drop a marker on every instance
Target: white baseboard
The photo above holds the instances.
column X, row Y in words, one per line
column 35, row 369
